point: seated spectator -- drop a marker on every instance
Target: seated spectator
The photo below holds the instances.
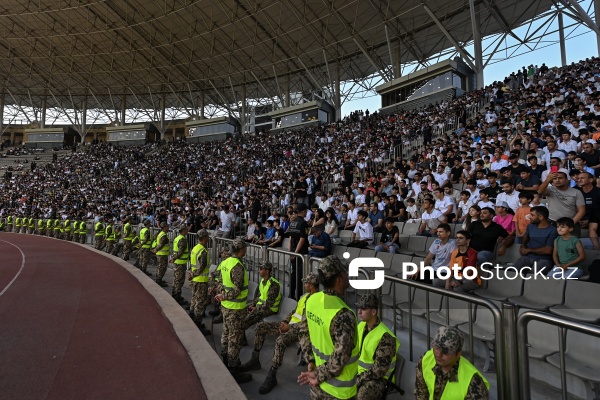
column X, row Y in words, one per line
column 440, row 253
column 331, row 223
column 277, row 240
column 364, row 230
column 538, row 242
column 472, row 216
column 484, row 199
column 412, row 211
column 591, row 194
column 504, row 218
column 395, row 209
column 375, row 217
column 267, row 238
column 389, row 237
column 352, row 216
column 319, row 242
column 485, row 233
column 527, row 182
column 463, row 256
column 430, row 220
column 568, row 253
column 252, row 232
column 463, row 206
column 444, row 204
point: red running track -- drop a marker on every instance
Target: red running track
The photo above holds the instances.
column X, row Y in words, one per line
column 75, row 325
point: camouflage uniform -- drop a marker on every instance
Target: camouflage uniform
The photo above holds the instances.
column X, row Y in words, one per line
column 342, row 331
column 162, row 261
column 145, row 252
column 127, row 244
column 371, row 383
column 260, row 312
column 99, row 239
column 233, row 334
column 179, row 269
column 450, row 341
column 200, row 297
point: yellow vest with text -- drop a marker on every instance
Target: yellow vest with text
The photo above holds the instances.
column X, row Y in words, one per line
column 128, row 231
column 297, row 315
column 369, row 347
column 110, row 234
column 146, row 243
column 57, row 225
column 82, row 228
column 164, row 251
column 196, row 254
column 239, row 303
column 321, row 308
column 67, row 225
column 453, row 390
column 185, row 256
column 263, row 289
column 41, row 225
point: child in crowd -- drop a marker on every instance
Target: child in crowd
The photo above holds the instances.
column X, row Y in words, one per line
column 484, row 199
column 504, row 218
column 522, row 217
column 568, row 253
column 412, row 212
column 463, row 206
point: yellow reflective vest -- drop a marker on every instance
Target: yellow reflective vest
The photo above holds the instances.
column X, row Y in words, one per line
column 145, row 238
column 239, row 303
column 185, row 256
column 369, row 347
column 321, row 308
column 263, row 289
column 452, row 390
column 297, row 315
column 164, row 251
column 197, row 252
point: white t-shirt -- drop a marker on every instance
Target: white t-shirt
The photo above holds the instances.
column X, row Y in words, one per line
column 442, row 253
column 433, row 219
column 511, row 199
column 227, row 220
column 353, row 215
column 364, row 231
column 442, row 205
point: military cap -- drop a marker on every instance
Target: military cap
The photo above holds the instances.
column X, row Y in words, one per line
column 311, row 278
column 202, row 233
column 146, row 222
column 164, row 225
column 184, row 228
column 266, row 265
column 331, row 266
column 237, row 245
column 449, row 339
column 225, row 252
column 368, row 300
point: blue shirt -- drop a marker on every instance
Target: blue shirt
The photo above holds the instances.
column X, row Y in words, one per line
column 322, row 240
column 539, row 238
column 375, row 217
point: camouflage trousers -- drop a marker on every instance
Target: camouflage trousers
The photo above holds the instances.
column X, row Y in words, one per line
column 163, row 262
column 316, row 393
column 255, row 317
column 9, row 227
column 110, row 245
column 233, row 334
column 200, row 300
column 99, row 242
column 371, row 390
column 31, row 230
column 283, row 341
column 178, row 278
column 67, row 235
column 144, row 258
column 126, row 249
column 57, row 234
column 82, row 237
column 49, row 232
column 75, row 237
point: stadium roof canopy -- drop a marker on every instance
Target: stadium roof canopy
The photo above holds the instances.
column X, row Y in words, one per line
column 172, row 53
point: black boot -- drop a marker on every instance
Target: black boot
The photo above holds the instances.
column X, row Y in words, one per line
column 225, row 358
column 214, row 313
column 160, row 282
column 239, row 376
column 270, row 381
column 253, row 364
column 202, row 328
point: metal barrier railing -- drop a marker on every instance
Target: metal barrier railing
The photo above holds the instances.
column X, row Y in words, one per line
column 499, row 343
column 523, row 352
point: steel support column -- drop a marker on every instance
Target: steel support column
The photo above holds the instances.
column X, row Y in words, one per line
column 597, row 13
column 1, row 113
column 123, row 108
column 397, row 63
column 475, row 24
column 338, row 93
column 576, row 7
column 44, row 108
column 202, row 100
column 83, row 118
column 243, row 114
column 561, row 35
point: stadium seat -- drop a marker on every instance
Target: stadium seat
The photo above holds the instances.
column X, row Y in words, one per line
column 410, row 229
column 510, row 256
column 419, row 302
column 403, row 240
column 415, row 244
column 345, row 236
column 456, row 311
column 540, row 294
column 590, row 256
column 458, row 186
column 252, row 286
column 501, row 289
column 581, row 358
column 581, row 302
column 428, row 244
column 397, row 263
column 367, row 253
column 542, row 339
column 339, row 251
column 386, row 258
column 354, row 253
column 400, row 226
column 483, row 330
column 287, row 306
column 407, row 381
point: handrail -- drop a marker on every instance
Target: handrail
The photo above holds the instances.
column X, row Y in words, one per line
column 496, row 312
column 523, row 352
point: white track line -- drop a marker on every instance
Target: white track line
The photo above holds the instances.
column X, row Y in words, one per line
column 20, row 269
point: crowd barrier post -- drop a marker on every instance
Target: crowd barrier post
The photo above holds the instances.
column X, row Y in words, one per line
column 511, row 371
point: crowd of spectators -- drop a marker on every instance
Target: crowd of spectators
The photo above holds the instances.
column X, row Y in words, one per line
column 533, row 144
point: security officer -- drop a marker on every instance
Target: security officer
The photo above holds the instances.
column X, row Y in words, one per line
column 75, row 229
column 128, row 236
column 443, row 373
column 162, row 250
column 31, row 227
column 332, row 369
column 82, row 231
column 198, row 276
column 145, row 245
column 111, row 237
column 266, row 299
column 9, row 223
column 180, row 257
column 214, row 284
column 58, row 228
column 233, row 294
column 18, row 224
column 41, row 226
column 379, row 348
column 287, row 332
column 67, row 229
column 99, row 233
column 49, row 227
